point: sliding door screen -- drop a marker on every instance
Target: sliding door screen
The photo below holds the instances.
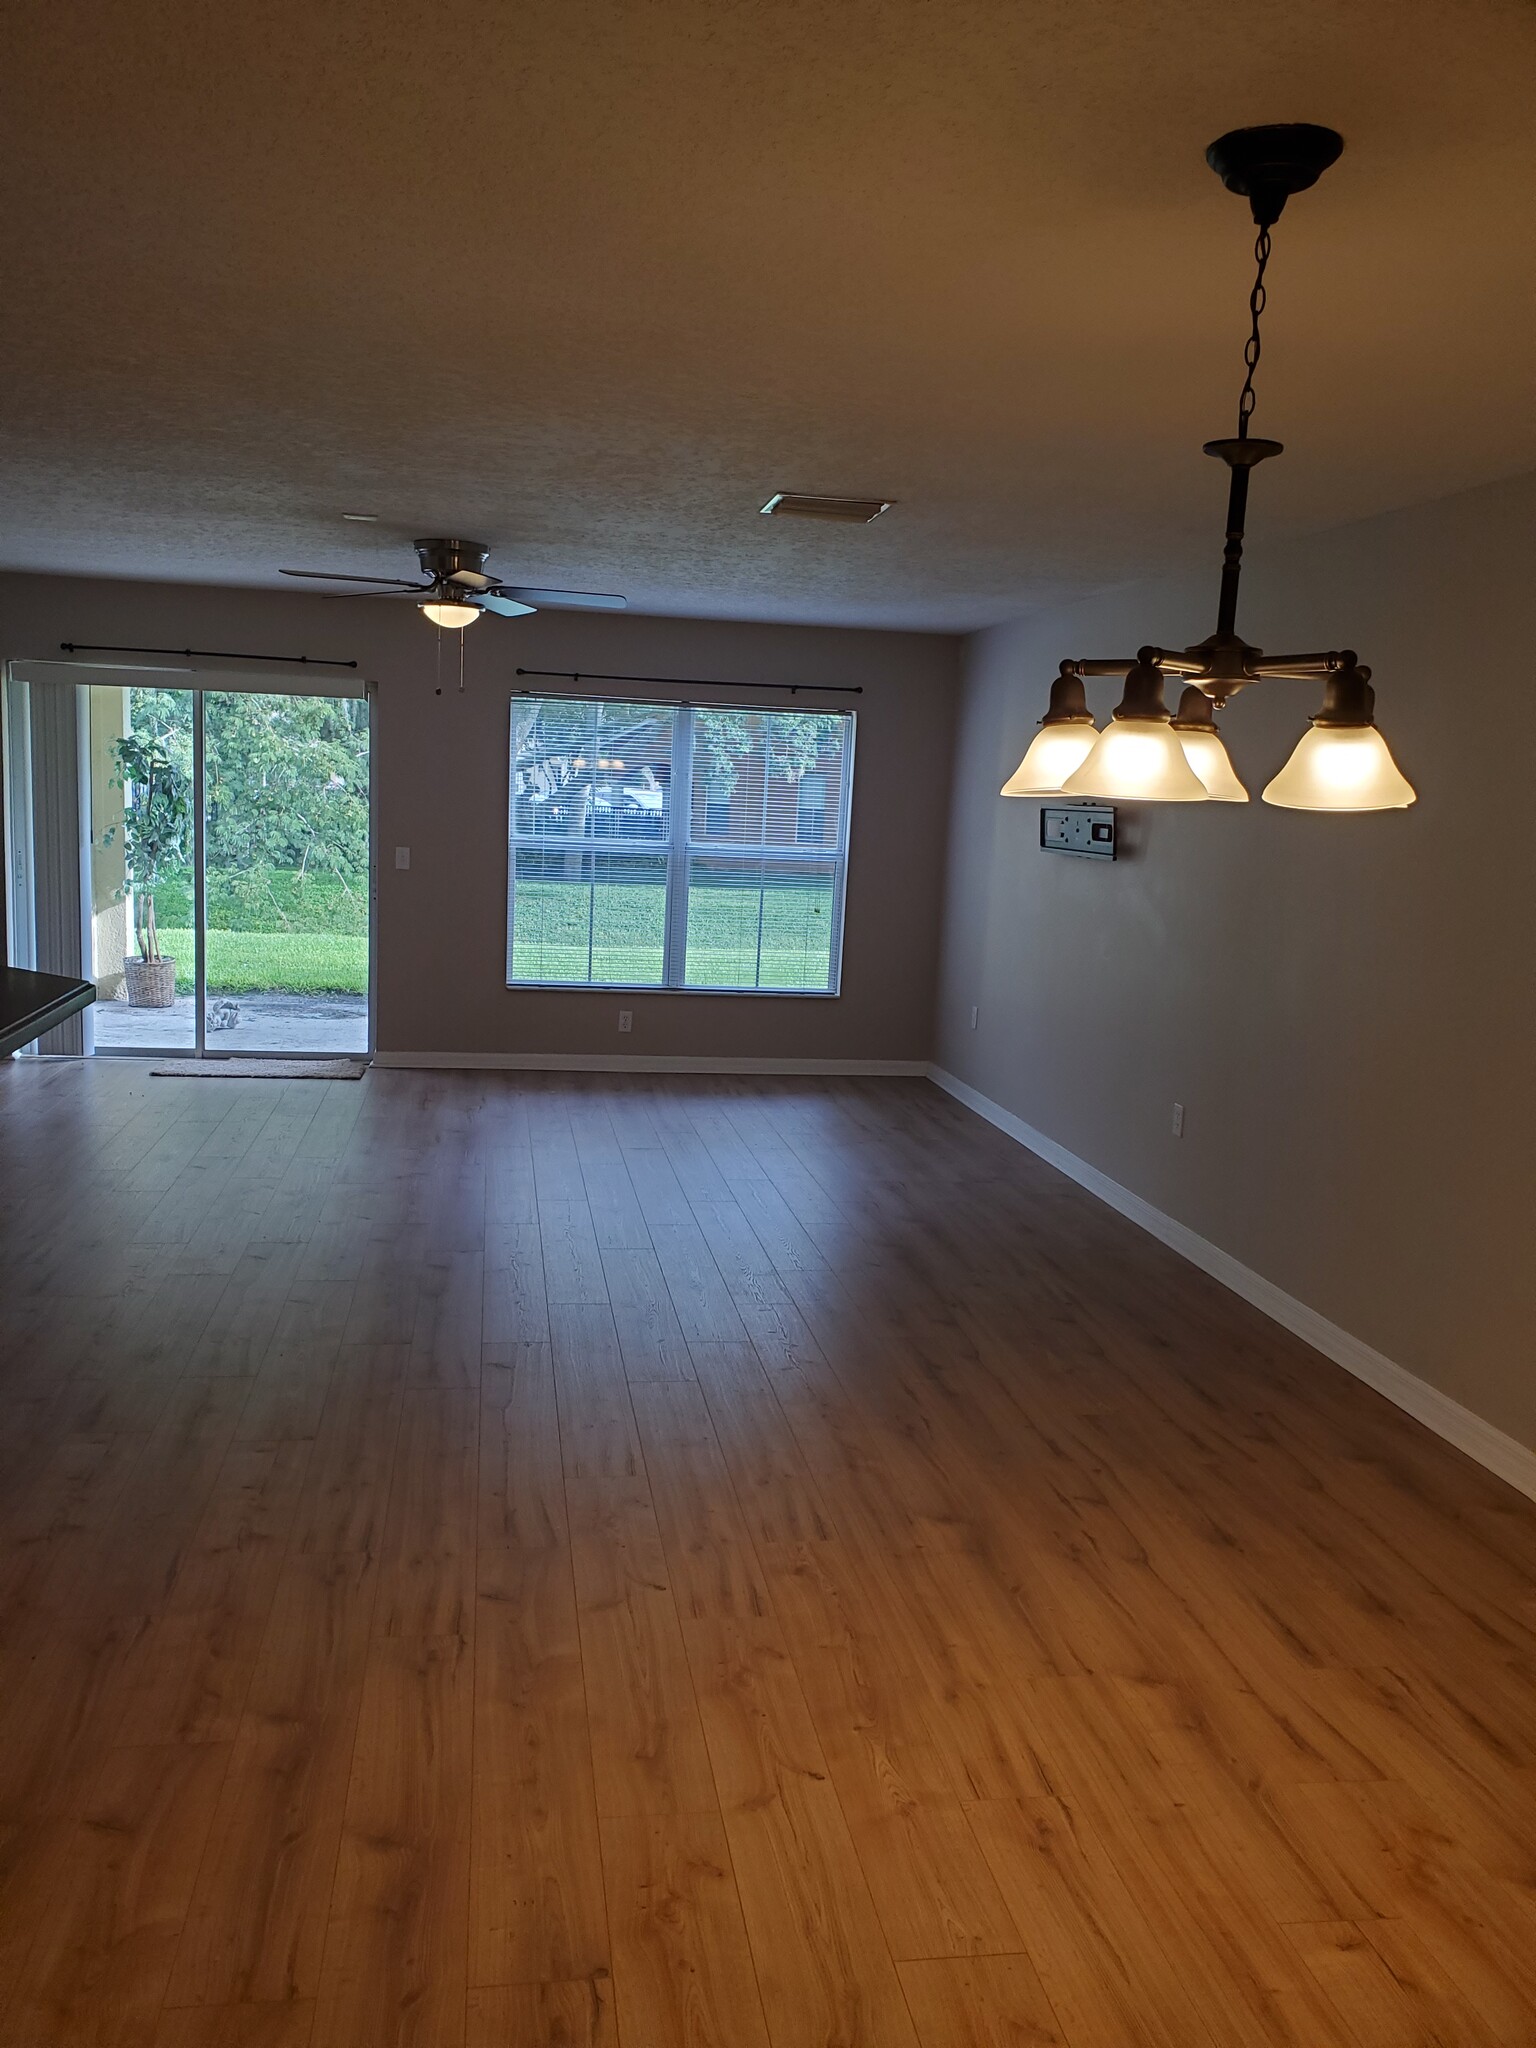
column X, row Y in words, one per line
column 677, row 846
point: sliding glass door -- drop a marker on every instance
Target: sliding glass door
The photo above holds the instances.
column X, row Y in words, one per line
column 203, row 855
column 286, row 866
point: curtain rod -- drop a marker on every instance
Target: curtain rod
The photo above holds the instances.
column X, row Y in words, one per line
column 204, row 654
column 583, row 675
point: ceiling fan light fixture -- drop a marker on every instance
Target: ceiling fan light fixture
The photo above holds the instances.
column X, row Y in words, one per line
column 454, row 616
column 457, row 589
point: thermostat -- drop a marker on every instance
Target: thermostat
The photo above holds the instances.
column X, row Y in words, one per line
column 1087, row 829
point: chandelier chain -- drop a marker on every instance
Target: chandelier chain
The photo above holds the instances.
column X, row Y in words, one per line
column 1254, row 346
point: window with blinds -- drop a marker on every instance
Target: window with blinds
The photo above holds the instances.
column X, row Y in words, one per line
column 677, row 846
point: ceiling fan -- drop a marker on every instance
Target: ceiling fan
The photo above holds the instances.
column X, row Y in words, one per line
column 458, row 590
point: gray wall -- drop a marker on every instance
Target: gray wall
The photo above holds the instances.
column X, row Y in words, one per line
column 441, row 767
column 1343, row 1004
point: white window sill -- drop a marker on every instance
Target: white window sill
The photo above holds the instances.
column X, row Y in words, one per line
column 657, row 988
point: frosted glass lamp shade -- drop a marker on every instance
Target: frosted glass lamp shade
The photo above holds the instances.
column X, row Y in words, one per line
column 1137, row 760
column 1206, row 754
column 1067, row 733
column 454, row 615
column 1341, row 768
column 1050, row 758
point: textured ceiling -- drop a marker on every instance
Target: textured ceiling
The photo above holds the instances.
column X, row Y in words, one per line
column 589, row 281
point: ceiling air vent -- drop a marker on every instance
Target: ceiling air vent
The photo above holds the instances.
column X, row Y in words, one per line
column 852, row 511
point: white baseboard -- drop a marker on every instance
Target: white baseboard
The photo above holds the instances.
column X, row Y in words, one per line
column 640, row 1063
column 1480, row 1440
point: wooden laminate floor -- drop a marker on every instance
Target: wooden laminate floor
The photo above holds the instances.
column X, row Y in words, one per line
column 533, row 1562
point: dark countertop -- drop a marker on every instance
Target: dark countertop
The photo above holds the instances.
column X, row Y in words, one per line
column 31, row 1004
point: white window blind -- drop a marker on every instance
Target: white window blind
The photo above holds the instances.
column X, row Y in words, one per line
column 677, row 846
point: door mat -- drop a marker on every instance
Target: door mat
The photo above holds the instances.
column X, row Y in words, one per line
column 263, row 1070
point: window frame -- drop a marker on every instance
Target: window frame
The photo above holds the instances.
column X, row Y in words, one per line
column 680, row 847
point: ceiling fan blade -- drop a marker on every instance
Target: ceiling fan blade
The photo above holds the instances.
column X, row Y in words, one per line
column 416, row 590
column 341, row 576
column 509, row 607
column 472, row 579
column 569, row 600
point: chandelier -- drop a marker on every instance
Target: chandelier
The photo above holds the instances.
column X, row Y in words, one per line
column 1341, row 763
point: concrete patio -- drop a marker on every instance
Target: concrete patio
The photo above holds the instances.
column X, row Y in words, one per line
column 268, row 1023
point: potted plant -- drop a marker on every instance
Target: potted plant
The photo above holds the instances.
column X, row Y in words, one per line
column 157, row 816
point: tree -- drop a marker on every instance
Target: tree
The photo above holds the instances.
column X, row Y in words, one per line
column 792, row 740
column 287, row 800
column 157, row 818
column 560, row 744
column 287, row 791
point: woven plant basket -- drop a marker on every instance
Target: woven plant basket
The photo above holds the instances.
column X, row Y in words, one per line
column 151, row 983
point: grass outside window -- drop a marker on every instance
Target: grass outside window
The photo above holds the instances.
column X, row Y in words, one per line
column 272, row 963
column 623, row 922
column 277, row 932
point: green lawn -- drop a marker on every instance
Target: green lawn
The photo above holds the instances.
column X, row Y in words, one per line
column 550, row 942
column 274, row 931
column 269, row 900
column 551, row 934
column 280, row 963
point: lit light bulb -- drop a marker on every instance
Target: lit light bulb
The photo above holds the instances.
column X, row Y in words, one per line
column 455, row 615
column 1208, row 757
column 1204, row 749
column 1342, row 763
column 1066, row 736
column 1136, row 761
column 1341, row 768
column 1050, row 758
column 1137, row 758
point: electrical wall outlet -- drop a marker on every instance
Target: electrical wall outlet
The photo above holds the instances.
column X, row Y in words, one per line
column 626, row 1020
column 1178, row 1119
column 402, row 856
column 975, row 1012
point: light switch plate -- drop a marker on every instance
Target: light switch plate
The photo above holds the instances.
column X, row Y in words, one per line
column 1087, row 829
column 402, row 856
